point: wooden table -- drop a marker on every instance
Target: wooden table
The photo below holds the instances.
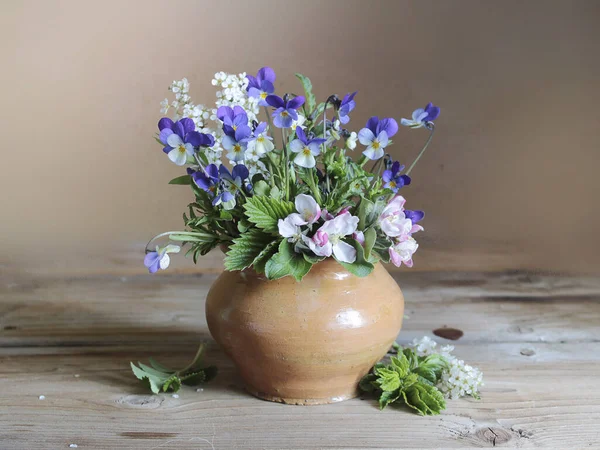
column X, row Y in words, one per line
column 70, row 339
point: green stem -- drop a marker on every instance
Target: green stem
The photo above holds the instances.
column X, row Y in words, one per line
column 362, row 161
column 188, row 233
column 287, row 165
column 194, row 361
column 268, row 118
column 432, row 129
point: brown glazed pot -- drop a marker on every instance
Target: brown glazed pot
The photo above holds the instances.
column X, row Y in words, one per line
column 307, row 342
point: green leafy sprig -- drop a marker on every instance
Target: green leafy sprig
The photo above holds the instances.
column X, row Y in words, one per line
column 163, row 379
column 408, row 379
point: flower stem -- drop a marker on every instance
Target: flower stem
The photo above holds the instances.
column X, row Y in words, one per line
column 187, row 233
column 287, row 165
column 362, row 161
column 431, row 128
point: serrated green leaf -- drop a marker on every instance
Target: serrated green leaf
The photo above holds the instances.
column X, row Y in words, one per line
column 158, row 366
column 361, row 267
column 389, row 380
column 308, row 93
column 182, row 180
column 388, row 397
column 370, row 237
column 160, row 378
column 400, row 364
column 287, row 262
column 265, row 212
column 266, row 253
column 261, row 188
column 245, row 249
column 412, row 398
column 366, row 383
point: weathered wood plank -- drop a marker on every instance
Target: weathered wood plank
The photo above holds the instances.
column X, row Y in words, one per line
column 534, row 336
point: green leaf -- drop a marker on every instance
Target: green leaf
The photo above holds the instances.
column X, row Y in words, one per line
column 266, row 253
column 245, row 249
column 370, row 236
column 266, row 211
column 308, row 93
column 225, row 215
column 287, row 262
column 389, row 380
column 160, row 378
column 388, row 397
column 261, row 188
column 426, row 399
column 361, row 267
column 365, row 209
column 183, row 180
column 312, row 258
column 368, row 382
column 400, row 365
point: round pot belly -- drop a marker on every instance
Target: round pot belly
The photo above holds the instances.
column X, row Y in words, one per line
column 307, row 342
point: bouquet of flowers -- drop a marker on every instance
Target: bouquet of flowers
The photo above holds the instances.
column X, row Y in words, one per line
column 293, row 195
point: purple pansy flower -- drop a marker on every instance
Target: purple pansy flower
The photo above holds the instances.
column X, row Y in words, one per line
column 180, row 139
column 285, row 113
column 376, row 136
column 207, row 179
column 233, row 119
column 306, row 149
column 160, row 258
column 230, row 183
column 414, row 216
column 262, row 85
column 421, row 116
column 392, row 178
column 347, row 105
column 237, row 131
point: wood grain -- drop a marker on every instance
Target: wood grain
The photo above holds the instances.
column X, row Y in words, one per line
column 534, row 336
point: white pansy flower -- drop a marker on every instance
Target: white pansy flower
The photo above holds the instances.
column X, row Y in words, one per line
column 351, row 141
column 181, row 150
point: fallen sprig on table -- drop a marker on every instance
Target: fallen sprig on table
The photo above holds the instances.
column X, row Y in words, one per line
column 422, row 378
column 163, row 379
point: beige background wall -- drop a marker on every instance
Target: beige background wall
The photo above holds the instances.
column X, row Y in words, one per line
column 509, row 182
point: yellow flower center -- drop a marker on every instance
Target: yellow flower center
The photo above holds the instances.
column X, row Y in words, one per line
column 181, row 148
column 392, row 184
column 306, row 151
column 237, row 148
column 375, row 145
column 260, row 139
column 284, row 114
column 263, row 95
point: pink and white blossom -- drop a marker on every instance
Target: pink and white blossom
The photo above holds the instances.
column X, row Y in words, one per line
column 308, row 209
column 290, row 228
column 403, row 251
column 328, row 239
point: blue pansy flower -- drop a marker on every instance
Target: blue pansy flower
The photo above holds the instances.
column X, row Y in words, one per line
column 207, row 179
column 261, row 86
column 392, row 178
column 347, row 105
column 229, row 184
column 376, row 136
column 180, row 139
column 285, row 113
column 421, row 116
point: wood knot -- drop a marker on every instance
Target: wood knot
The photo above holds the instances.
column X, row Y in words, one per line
column 452, row 334
column 494, row 436
column 141, row 401
column 527, row 352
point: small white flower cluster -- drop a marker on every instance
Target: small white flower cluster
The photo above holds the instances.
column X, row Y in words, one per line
column 233, row 93
column 459, row 379
column 181, row 91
